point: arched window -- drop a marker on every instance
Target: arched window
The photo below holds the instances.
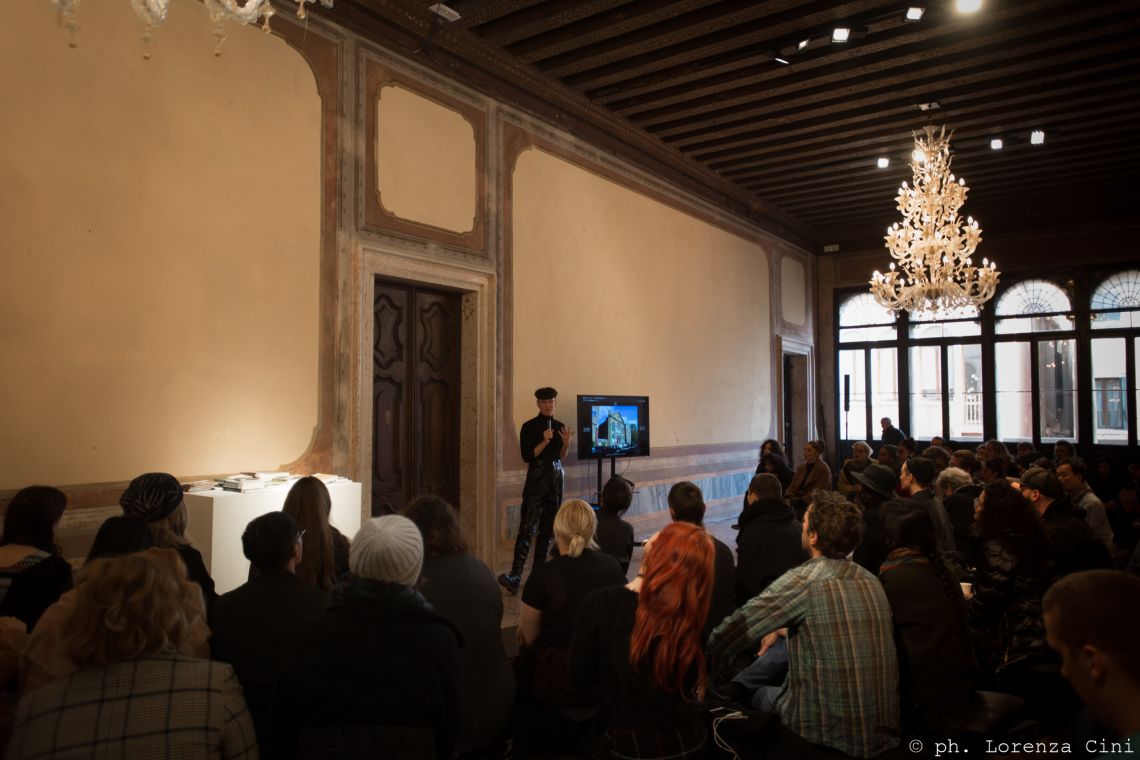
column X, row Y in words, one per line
column 868, row 373
column 1116, row 302
column 862, row 318
column 1028, row 364
column 1033, row 306
column 1114, row 305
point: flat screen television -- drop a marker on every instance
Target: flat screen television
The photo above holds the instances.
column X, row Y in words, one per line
column 613, row 426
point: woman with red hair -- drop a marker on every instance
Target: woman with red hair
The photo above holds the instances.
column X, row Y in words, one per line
column 641, row 643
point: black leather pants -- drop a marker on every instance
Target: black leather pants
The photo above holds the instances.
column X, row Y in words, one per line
column 542, row 494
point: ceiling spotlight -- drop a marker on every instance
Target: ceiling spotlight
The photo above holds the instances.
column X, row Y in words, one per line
column 967, row 6
column 803, row 44
column 778, row 59
column 840, row 34
column 1037, row 137
column 914, row 13
column 883, row 162
column 931, row 106
column 996, row 143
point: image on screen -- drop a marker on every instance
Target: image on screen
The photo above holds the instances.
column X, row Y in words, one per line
column 614, row 429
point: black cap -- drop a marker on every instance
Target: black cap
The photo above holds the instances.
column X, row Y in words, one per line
column 879, row 478
column 545, row 393
column 1040, row 479
column 151, row 496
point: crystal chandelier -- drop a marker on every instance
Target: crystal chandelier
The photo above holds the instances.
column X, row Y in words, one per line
column 932, row 246
column 153, row 14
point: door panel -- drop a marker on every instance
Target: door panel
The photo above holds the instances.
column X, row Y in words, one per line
column 415, row 393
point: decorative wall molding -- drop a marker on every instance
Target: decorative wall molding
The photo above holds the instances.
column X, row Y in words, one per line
column 477, row 377
column 374, row 216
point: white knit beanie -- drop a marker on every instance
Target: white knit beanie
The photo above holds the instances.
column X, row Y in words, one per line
column 388, row 548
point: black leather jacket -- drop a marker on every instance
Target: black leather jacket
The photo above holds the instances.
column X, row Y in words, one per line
column 1010, row 579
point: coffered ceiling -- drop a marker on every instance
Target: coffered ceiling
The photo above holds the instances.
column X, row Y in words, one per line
column 796, row 144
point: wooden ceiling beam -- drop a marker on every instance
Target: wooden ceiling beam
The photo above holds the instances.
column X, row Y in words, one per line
column 1061, row 82
column 854, row 81
column 849, row 156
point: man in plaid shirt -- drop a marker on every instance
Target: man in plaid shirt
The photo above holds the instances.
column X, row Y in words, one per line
column 841, row 689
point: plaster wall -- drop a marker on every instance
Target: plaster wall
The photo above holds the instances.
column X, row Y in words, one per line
column 425, row 161
column 615, row 292
column 160, row 248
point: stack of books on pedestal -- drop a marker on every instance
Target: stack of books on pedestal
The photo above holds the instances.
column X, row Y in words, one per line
column 243, row 482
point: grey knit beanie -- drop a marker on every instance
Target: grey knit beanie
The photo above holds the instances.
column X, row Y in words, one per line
column 388, row 548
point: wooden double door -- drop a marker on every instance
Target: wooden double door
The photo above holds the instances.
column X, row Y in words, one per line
column 415, row 395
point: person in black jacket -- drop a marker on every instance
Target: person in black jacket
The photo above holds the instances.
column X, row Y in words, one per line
column 252, row 624
column 157, row 498
column 768, row 544
column 1075, row 544
column 377, row 674
column 32, row 572
column 614, row 535
column 1015, row 567
column 874, row 486
column 937, row 668
column 687, row 504
column 543, row 443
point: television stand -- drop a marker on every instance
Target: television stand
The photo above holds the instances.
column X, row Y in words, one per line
column 613, row 471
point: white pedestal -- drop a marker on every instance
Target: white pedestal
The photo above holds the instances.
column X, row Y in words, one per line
column 218, row 518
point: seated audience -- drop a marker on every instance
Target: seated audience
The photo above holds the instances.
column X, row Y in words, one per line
column 991, row 470
column 932, row 632
column 958, row 492
column 964, row 459
column 1106, row 480
column 1025, row 447
column 917, row 479
column 550, row 601
column 156, row 497
column 1071, row 473
column 813, row 474
column 615, row 535
column 326, row 549
column 776, row 464
column 876, row 485
column 1063, row 450
column 252, row 624
column 908, row 447
column 995, row 449
column 1091, row 619
column 842, row 684
column 32, row 574
column 768, row 544
column 45, row 658
column 137, row 692
column 889, row 457
column 462, row 589
column 641, row 644
column 1014, row 567
column 1125, row 520
column 687, row 504
column 860, row 459
column 1075, row 545
column 939, row 457
column 771, row 446
column 377, row 673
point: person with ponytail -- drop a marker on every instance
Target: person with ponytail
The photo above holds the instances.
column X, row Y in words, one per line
column 937, row 668
column 550, row 601
column 641, row 644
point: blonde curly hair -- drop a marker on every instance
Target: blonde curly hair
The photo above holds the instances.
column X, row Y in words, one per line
column 134, row 606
